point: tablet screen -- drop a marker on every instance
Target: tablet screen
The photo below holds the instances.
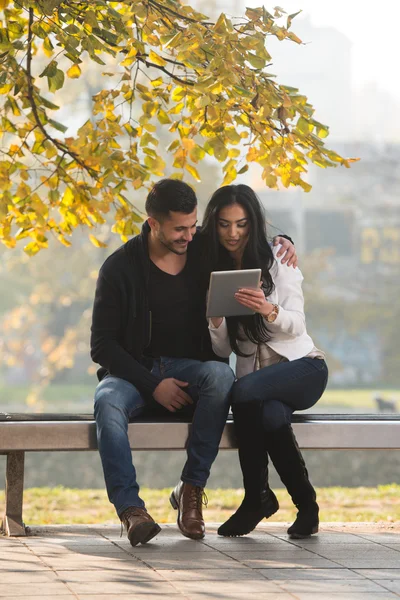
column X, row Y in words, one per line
column 223, row 286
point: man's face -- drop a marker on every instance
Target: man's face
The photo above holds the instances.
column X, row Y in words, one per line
column 176, row 231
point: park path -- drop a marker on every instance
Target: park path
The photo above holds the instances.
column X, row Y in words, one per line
column 344, row 562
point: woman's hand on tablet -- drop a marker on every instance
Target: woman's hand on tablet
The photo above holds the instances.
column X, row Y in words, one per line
column 254, row 299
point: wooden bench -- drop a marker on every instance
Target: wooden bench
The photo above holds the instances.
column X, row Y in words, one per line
column 20, row 433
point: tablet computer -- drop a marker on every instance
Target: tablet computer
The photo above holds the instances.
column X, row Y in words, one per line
column 221, row 300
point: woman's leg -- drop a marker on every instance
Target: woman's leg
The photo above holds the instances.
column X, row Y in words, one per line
column 280, row 389
column 259, row 501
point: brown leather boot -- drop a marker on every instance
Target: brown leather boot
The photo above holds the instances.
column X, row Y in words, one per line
column 140, row 526
column 187, row 500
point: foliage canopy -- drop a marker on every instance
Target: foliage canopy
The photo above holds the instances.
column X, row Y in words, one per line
column 170, row 69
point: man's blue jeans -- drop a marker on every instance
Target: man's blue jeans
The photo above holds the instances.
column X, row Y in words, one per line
column 117, row 402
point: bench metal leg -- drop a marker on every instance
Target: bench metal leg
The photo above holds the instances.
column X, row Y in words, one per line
column 12, row 524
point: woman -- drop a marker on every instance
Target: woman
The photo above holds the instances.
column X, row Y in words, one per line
column 279, row 370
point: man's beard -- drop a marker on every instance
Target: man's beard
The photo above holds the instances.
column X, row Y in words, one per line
column 173, row 246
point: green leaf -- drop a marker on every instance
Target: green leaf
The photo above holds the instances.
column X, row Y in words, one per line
column 304, row 126
column 55, row 83
column 48, row 104
column 256, row 61
column 58, row 126
column 50, row 70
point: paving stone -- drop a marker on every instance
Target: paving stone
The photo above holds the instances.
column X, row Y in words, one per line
column 252, row 546
column 267, row 553
column 102, row 555
column 33, row 589
column 9, row 543
column 236, row 574
column 28, row 576
column 22, row 566
column 227, row 588
column 165, row 548
column 392, row 585
column 380, row 573
column 290, row 563
column 18, row 556
column 115, row 588
column 334, row 551
column 105, row 564
column 368, row 563
column 327, row 538
column 310, row 574
column 391, row 545
column 135, row 596
column 382, row 537
column 109, row 575
column 58, row 597
column 243, row 596
column 346, row 596
column 191, row 560
column 330, row 586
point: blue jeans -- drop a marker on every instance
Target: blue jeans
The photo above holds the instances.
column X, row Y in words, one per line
column 116, row 402
column 282, row 389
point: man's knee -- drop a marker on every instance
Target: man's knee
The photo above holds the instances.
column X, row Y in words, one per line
column 275, row 414
column 218, row 373
column 115, row 395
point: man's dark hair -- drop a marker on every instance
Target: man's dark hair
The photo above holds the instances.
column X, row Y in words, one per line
column 170, row 195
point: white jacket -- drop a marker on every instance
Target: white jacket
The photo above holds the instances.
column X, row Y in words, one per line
column 289, row 338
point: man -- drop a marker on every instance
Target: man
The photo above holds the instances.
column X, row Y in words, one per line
column 150, row 336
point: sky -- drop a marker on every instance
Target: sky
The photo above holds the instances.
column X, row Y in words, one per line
column 373, row 28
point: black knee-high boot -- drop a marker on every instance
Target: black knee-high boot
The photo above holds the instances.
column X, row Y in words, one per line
column 259, row 501
column 289, row 463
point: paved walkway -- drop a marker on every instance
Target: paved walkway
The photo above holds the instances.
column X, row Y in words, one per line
column 348, row 562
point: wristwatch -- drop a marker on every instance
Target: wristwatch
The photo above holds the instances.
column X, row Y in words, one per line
column 272, row 316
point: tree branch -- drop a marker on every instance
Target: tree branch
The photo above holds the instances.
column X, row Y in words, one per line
column 31, row 97
column 163, row 9
column 142, row 59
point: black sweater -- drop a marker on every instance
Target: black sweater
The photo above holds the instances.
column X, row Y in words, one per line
column 121, row 318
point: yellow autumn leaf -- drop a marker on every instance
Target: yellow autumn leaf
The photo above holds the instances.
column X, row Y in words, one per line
column 190, row 169
column 156, row 59
column 96, row 242
column 74, row 72
column 163, row 117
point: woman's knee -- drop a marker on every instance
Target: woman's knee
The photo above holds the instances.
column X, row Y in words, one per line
column 275, row 414
column 244, row 391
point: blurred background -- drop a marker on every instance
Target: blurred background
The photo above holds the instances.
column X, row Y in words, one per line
column 346, row 231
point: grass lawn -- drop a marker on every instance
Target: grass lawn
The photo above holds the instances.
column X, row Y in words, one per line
column 43, row 506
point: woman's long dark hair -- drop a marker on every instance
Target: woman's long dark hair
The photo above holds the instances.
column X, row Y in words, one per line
column 257, row 254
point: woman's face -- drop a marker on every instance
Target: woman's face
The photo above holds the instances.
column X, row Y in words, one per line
column 233, row 227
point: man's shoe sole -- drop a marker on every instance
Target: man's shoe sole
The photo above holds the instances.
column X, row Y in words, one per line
column 175, row 505
column 143, row 533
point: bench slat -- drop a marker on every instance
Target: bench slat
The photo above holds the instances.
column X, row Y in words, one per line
column 78, row 435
